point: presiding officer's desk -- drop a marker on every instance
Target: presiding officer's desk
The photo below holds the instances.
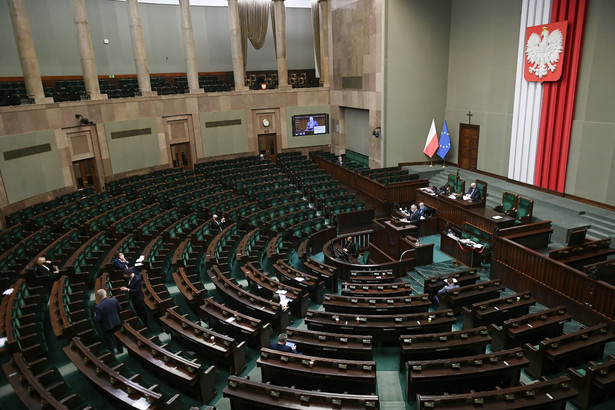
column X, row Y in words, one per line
column 459, row 212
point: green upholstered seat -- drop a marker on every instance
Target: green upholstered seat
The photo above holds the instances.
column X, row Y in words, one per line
column 509, row 204
column 525, row 209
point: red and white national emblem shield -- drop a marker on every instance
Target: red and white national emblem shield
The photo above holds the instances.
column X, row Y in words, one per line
column 544, row 51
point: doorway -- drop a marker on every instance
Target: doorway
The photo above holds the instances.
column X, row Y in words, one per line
column 267, row 145
column 180, row 154
column 468, row 146
column 85, row 174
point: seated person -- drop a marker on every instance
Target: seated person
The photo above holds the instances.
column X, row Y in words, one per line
column 311, row 124
column 415, row 215
column 217, row 225
column 339, row 161
column 446, row 189
column 45, row 270
column 424, row 211
column 450, row 283
column 281, row 345
column 351, row 248
column 121, row 263
column 473, row 194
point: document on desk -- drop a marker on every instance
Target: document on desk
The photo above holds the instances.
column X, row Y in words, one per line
column 299, row 279
column 497, row 217
column 230, row 319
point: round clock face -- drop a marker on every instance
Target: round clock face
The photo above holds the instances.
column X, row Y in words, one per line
column 265, row 122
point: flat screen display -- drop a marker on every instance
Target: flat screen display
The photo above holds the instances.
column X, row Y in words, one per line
column 310, row 124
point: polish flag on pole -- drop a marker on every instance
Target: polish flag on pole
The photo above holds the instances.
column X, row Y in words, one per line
column 431, row 145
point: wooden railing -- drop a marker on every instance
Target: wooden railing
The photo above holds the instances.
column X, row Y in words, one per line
column 553, row 283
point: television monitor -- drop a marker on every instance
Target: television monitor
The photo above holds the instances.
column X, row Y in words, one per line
column 310, row 124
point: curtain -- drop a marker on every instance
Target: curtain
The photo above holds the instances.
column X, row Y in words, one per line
column 316, row 30
column 254, row 20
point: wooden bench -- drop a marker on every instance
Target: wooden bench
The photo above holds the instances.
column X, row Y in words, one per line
column 247, row 394
column 556, row 354
column 497, row 310
column 587, row 253
column 211, row 345
column 190, row 286
column 335, row 345
column 594, row 383
column 248, row 303
column 317, row 373
column 545, row 394
column 157, row 296
column 466, row 295
column 266, row 287
column 67, row 308
column 533, row 235
column 464, row 374
column 235, row 324
column 379, row 290
column 442, row 345
column 314, row 285
column 372, row 277
column 36, row 384
column 530, row 328
column 25, row 304
column 432, row 285
column 101, row 368
column 376, row 305
column 187, row 375
column 381, row 327
column 326, row 272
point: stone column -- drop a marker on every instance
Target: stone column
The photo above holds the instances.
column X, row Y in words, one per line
column 235, row 26
column 88, row 62
column 323, row 9
column 138, row 47
column 191, row 70
column 27, row 53
column 280, row 40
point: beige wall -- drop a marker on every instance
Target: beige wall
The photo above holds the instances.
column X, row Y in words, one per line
column 415, row 81
column 591, row 166
column 484, row 40
column 356, row 51
column 152, row 152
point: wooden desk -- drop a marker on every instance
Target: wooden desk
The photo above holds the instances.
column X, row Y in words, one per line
column 547, row 395
column 377, row 305
column 335, row 345
column 247, row 394
column 442, row 345
column 459, row 212
column 317, row 373
column 531, row 328
column 464, row 374
column 497, row 310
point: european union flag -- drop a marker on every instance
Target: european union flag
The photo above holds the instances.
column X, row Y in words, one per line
column 445, row 142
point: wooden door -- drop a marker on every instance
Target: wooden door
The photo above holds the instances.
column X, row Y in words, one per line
column 468, row 146
column 267, row 145
column 85, row 174
column 181, row 156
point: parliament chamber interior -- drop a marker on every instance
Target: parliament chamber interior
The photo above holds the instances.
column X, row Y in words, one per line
column 240, row 204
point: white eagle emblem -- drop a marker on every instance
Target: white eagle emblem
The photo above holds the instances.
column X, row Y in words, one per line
column 544, row 53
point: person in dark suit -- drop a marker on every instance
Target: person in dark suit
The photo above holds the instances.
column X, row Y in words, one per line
column 281, row 345
column 423, row 209
column 46, row 271
column 340, row 161
column 135, row 291
column 415, row 215
column 121, row 263
column 352, row 248
column 449, row 285
column 217, row 225
column 473, row 194
column 107, row 314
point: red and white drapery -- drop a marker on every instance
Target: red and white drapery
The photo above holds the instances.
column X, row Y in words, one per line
column 543, row 113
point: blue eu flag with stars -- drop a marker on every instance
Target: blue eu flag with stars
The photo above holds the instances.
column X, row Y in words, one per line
column 445, row 142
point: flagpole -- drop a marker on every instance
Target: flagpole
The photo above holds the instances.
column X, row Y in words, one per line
column 430, row 163
column 444, row 163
